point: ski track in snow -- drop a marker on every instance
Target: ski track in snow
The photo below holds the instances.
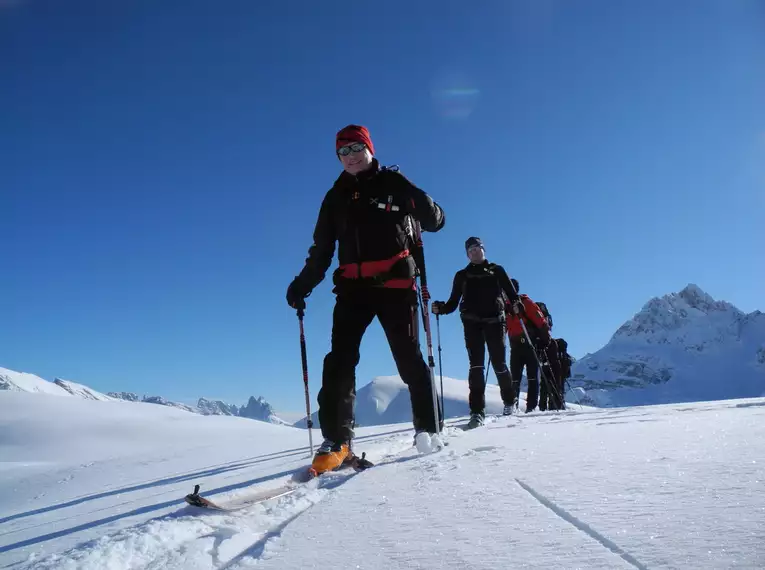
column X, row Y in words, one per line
column 584, row 527
column 195, row 539
column 255, row 550
column 423, row 543
column 657, row 487
column 527, row 537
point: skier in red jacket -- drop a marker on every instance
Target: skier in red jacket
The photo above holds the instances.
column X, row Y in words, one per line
column 522, row 354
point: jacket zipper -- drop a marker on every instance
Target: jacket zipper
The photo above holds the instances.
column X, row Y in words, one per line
column 356, row 229
column 358, row 251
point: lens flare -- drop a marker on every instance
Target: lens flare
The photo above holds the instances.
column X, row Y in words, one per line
column 454, row 95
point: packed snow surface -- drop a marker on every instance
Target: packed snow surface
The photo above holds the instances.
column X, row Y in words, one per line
column 99, row 484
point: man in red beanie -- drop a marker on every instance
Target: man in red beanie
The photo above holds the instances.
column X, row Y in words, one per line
column 369, row 212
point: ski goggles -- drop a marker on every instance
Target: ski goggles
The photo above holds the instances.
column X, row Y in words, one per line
column 349, row 148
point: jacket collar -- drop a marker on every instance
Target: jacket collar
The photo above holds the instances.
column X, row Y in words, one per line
column 346, row 180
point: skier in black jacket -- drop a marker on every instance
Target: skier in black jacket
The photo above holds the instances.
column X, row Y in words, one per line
column 370, row 212
column 555, row 400
column 483, row 288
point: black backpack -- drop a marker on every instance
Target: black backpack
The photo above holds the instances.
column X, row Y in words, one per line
column 564, row 357
column 546, row 313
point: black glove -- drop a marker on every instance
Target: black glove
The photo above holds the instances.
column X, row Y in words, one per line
column 296, row 294
column 437, row 307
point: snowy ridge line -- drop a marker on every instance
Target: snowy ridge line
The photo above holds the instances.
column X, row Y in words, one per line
column 582, row 526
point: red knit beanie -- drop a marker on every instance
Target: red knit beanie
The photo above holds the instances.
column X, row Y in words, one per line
column 352, row 134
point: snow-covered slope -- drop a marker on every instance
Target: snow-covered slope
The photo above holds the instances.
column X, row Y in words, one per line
column 681, row 347
column 81, row 390
column 385, row 400
column 24, row 382
column 105, row 490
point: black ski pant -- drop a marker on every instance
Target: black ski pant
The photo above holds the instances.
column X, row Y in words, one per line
column 397, row 311
column 551, row 394
column 522, row 356
column 480, row 334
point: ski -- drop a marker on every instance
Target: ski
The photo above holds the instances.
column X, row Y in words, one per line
column 196, row 500
column 300, row 478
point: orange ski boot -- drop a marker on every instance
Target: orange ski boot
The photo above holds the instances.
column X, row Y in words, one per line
column 329, row 456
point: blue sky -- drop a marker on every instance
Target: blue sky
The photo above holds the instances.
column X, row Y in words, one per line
column 163, row 164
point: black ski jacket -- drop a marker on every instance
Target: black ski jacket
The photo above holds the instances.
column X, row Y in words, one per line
column 478, row 289
column 370, row 218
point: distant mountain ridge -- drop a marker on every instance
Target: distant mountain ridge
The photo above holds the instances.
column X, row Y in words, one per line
column 684, row 346
column 256, row 408
column 680, row 347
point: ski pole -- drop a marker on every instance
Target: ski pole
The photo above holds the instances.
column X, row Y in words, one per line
column 440, row 366
column 424, row 299
column 576, row 396
column 549, row 382
column 304, row 358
